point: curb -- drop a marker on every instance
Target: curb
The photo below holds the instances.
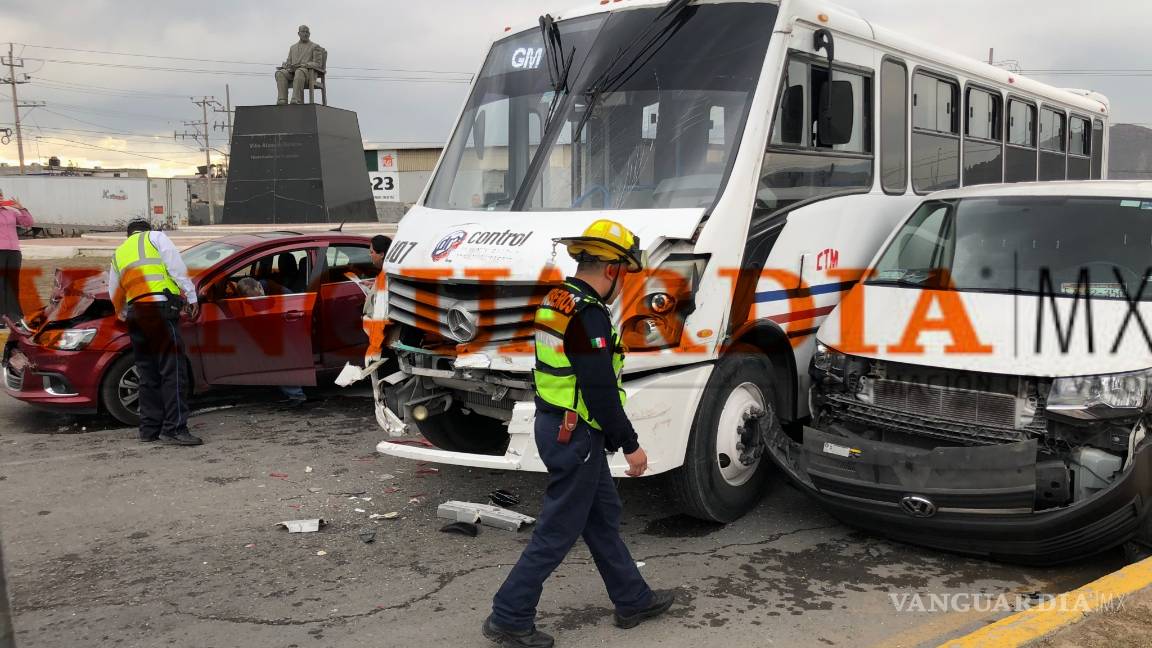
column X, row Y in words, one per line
column 1066, row 609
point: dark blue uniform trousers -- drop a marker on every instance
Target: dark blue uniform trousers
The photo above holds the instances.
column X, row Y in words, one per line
column 580, row 501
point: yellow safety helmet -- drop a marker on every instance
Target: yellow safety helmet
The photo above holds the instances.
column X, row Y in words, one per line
column 606, row 240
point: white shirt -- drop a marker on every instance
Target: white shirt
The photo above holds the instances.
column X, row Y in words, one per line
column 172, row 260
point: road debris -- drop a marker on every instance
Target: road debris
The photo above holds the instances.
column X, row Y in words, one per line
column 307, row 469
column 321, row 553
column 461, row 528
column 391, row 515
column 501, row 497
column 360, row 510
column 367, row 535
column 278, row 475
column 303, row 526
column 314, row 489
column 493, row 516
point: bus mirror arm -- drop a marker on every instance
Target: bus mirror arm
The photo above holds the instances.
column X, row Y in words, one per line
column 822, row 40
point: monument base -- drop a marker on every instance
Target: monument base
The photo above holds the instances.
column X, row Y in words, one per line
column 298, row 163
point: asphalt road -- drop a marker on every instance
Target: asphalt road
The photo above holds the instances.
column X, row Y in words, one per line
column 115, row 543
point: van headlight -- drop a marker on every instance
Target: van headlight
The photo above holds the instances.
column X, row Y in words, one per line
column 828, row 360
column 67, row 339
column 1102, row 396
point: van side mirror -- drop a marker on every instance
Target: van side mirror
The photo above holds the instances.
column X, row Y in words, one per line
column 837, row 111
column 792, row 115
column 478, row 128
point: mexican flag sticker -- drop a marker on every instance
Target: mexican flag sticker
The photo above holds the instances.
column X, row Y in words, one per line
column 599, row 343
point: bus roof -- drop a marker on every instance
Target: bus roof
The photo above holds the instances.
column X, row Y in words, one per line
column 850, row 21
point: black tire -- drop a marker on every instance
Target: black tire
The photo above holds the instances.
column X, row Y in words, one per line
column 116, row 393
column 700, row 486
column 459, row 432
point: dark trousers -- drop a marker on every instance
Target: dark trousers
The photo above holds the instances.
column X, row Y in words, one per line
column 154, row 328
column 580, row 501
column 10, row 284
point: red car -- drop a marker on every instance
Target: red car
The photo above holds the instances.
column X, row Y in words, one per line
column 307, row 324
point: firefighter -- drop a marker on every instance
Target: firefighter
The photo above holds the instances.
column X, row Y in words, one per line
column 149, row 286
column 579, row 418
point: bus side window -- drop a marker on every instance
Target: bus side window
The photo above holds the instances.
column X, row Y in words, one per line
column 983, row 141
column 797, row 166
column 1053, row 144
column 1079, row 148
column 1097, row 149
column 1020, row 157
column 894, row 127
column 935, row 133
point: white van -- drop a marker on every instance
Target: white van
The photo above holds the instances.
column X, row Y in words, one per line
column 987, row 388
column 762, row 151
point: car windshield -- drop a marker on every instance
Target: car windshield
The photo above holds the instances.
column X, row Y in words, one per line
column 660, row 102
column 1042, row 245
column 202, row 256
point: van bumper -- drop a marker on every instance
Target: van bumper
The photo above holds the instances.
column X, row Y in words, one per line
column 991, row 516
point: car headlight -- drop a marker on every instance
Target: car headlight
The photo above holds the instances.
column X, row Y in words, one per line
column 67, row 339
column 1100, row 396
column 828, row 360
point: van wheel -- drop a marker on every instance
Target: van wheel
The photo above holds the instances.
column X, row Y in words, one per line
column 459, row 432
column 725, row 469
column 120, row 391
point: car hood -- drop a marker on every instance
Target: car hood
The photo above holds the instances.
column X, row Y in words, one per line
column 461, row 243
column 1014, row 334
column 74, row 291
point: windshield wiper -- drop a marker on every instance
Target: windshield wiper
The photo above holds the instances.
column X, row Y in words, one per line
column 559, row 66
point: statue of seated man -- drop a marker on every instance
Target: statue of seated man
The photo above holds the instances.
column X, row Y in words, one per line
column 298, row 69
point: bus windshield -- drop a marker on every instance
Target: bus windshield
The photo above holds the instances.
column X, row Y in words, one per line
column 1033, row 245
column 660, row 102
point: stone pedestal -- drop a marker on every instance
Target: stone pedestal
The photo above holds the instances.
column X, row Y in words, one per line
column 300, row 163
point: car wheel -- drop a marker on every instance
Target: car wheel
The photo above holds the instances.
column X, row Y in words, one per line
column 120, row 391
column 459, row 432
column 725, row 467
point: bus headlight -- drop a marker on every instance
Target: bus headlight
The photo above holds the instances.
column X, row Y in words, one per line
column 658, row 302
column 826, row 359
column 1101, row 396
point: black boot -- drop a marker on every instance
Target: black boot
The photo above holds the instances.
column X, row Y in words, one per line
column 183, row 438
column 523, row 638
column 661, row 601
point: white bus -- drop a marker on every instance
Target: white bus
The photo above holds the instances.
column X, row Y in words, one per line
column 762, row 151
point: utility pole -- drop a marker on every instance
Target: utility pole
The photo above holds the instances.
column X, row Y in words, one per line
column 226, row 126
column 14, row 82
column 201, row 135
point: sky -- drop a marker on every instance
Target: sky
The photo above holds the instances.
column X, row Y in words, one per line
column 404, row 65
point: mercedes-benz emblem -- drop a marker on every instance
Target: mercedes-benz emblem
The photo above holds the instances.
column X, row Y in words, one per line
column 917, row 506
column 461, row 324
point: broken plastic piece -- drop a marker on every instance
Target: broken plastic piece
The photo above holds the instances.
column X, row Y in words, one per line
column 302, row 526
column 367, row 535
column 462, row 528
column 501, row 497
column 493, row 516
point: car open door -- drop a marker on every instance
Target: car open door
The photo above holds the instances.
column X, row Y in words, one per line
column 261, row 336
column 340, row 333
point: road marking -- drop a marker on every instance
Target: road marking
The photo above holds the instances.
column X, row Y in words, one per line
column 1027, row 626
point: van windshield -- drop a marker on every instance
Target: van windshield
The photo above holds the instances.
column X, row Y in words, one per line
column 1036, row 245
column 660, row 102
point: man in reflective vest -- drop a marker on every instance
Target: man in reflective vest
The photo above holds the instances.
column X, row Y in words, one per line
column 579, row 417
column 149, row 286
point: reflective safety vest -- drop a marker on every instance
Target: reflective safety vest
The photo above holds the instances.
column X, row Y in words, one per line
column 554, row 375
column 142, row 271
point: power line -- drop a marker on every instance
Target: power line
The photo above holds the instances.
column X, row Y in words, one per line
column 105, row 148
column 244, row 73
column 231, row 62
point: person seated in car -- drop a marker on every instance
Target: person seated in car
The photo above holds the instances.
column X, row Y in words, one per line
column 294, row 395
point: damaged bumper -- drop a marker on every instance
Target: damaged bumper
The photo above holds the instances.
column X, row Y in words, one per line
column 50, row 378
column 978, row 500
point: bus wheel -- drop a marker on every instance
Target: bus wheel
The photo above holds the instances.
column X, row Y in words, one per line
column 458, row 431
column 725, row 471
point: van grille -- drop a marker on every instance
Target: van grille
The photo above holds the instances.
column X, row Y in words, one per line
column 947, row 403
column 504, row 310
